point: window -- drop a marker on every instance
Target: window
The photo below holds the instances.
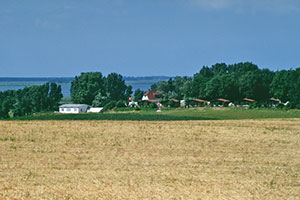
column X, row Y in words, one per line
column 68, row 109
column 75, row 109
column 62, row 109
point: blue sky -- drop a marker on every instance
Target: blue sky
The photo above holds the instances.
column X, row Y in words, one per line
column 140, row 38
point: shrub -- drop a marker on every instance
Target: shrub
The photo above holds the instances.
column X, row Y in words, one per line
column 280, row 106
column 110, row 105
column 125, row 109
column 153, row 105
column 171, row 104
column 120, row 104
column 137, row 108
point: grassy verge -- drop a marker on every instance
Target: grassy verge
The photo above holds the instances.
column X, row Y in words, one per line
column 171, row 115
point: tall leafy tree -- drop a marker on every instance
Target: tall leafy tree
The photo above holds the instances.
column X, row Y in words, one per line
column 138, row 94
column 281, row 85
column 252, row 85
column 101, row 99
column 222, row 86
column 219, row 68
column 116, row 87
column 55, row 96
column 199, row 82
column 128, row 92
column 86, row 86
column 242, row 68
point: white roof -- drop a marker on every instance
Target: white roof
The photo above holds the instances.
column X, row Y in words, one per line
column 73, row 106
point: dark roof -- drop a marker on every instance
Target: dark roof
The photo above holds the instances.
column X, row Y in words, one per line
column 72, row 105
column 199, row 100
column 151, row 94
column 224, row 100
column 246, row 99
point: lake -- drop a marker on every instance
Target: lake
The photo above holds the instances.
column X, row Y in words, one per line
column 142, row 83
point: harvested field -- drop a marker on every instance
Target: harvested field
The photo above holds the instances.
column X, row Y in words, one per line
column 236, row 159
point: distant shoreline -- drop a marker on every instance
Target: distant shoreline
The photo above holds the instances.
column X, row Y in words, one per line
column 36, row 79
column 15, row 83
column 69, row 79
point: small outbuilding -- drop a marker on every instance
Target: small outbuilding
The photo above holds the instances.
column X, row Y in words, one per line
column 182, row 103
column 95, row 110
column 73, row 108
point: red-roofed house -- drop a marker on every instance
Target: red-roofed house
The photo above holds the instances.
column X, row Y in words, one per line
column 220, row 102
column 223, row 100
column 275, row 100
column 151, row 96
column 199, row 102
column 248, row 100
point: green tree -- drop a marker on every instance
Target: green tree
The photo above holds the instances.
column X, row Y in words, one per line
column 116, row 87
column 281, row 85
column 29, row 100
column 199, row 82
column 222, row 86
column 128, row 92
column 285, row 86
column 138, row 94
column 252, row 85
column 242, row 68
column 101, row 99
column 86, row 86
column 6, row 103
column 219, row 68
column 153, row 86
column 55, row 96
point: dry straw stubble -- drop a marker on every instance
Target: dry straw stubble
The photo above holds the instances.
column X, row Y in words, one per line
column 237, row 159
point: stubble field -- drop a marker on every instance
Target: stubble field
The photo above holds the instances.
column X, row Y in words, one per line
column 234, row 159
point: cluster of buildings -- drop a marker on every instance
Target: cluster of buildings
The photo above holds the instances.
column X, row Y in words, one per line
column 152, row 97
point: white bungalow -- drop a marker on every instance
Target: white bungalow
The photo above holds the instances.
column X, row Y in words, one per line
column 73, row 108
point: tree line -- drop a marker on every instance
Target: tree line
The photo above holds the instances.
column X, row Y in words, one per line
column 30, row 100
column 234, row 82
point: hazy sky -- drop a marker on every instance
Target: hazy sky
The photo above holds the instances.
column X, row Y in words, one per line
column 145, row 37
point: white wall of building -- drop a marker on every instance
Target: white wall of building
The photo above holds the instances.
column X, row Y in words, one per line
column 74, row 110
column 145, row 98
column 95, row 110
